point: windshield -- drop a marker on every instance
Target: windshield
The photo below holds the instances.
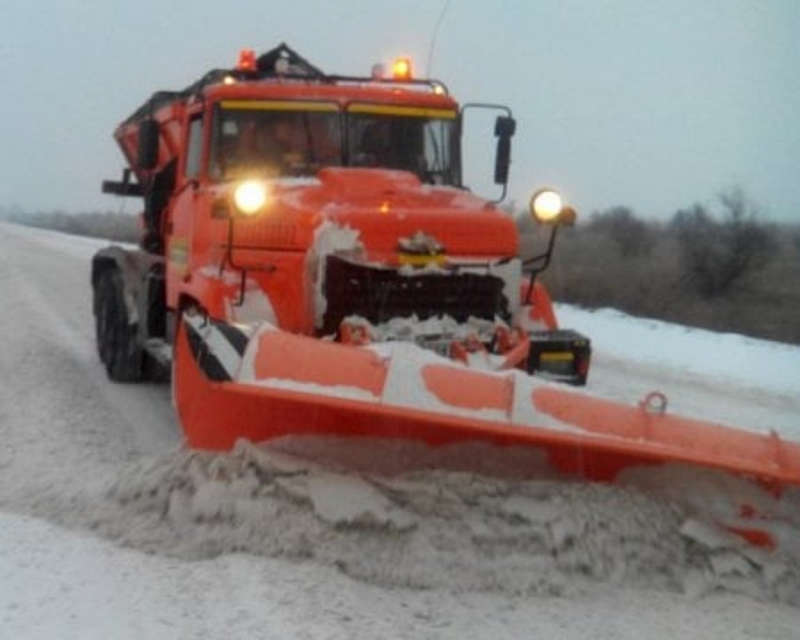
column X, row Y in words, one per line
column 276, row 138
column 415, row 139
column 294, row 138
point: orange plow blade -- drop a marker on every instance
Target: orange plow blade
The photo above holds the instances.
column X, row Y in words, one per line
column 284, row 384
column 270, row 384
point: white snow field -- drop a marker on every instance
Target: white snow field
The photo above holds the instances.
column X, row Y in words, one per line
column 108, row 528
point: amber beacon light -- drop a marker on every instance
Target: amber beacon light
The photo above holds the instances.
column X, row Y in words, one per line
column 401, row 69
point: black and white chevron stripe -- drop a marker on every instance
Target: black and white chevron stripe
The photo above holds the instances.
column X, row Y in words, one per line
column 217, row 346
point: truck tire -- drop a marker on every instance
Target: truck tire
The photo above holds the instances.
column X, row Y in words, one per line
column 117, row 339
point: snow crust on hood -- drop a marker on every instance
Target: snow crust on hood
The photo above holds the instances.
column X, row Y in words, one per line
column 329, row 238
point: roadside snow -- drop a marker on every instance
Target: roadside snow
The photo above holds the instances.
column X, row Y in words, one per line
column 727, row 378
column 724, row 357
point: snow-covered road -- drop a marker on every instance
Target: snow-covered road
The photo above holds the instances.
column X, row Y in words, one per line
column 67, row 432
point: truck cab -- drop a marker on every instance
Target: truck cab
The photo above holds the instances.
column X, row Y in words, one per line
column 327, row 206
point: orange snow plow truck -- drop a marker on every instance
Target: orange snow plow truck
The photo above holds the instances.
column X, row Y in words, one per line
column 312, row 263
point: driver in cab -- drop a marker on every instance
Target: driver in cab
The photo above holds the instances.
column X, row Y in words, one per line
column 271, row 146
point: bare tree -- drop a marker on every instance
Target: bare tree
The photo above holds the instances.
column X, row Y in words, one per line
column 718, row 253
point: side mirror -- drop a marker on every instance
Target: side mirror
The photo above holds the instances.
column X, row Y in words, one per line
column 147, row 151
column 504, row 128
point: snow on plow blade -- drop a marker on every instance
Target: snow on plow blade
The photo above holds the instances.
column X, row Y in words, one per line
column 272, row 384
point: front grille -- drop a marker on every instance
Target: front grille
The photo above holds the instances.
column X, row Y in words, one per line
column 379, row 294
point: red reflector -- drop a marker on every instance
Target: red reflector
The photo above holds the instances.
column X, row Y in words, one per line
column 247, row 60
column 582, row 366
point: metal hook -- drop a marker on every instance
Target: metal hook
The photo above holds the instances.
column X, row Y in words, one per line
column 654, row 402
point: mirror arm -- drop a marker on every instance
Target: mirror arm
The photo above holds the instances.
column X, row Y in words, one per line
column 502, row 195
column 536, row 271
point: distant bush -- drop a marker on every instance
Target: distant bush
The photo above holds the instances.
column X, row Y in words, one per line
column 717, row 253
column 633, row 236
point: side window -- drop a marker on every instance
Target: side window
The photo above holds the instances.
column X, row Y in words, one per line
column 437, row 147
column 195, row 146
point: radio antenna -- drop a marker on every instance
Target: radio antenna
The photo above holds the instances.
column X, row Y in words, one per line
column 433, row 37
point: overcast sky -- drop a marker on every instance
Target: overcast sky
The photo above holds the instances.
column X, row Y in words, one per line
column 654, row 104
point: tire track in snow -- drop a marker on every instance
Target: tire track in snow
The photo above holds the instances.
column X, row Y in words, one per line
column 63, row 424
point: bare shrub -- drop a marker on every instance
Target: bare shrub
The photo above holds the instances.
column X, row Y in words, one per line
column 718, row 253
column 588, row 269
column 633, row 236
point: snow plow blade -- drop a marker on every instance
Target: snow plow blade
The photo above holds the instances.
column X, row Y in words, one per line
column 276, row 383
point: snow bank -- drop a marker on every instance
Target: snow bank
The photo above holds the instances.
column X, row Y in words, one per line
column 469, row 517
column 69, row 585
column 748, row 362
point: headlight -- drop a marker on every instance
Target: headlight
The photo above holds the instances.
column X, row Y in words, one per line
column 546, row 205
column 250, row 196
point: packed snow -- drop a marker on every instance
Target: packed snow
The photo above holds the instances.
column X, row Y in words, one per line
column 108, row 528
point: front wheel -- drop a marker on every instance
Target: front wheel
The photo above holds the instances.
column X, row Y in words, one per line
column 117, row 338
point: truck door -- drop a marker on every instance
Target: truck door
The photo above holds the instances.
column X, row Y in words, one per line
column 182, row 210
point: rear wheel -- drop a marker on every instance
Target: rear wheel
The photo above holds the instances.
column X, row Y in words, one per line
column 117, row 338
